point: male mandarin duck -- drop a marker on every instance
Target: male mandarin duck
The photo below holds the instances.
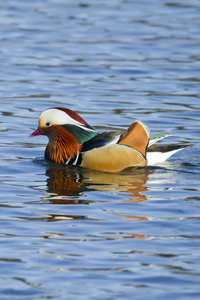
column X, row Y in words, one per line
column 72, row 141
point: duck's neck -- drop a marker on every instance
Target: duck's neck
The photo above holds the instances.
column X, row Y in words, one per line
column 62, row 145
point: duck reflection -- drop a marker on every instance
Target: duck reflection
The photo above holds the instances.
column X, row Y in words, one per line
column 67, row 185
column 130, row 183
column 67, row 181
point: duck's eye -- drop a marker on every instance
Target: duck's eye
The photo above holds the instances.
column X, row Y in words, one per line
column 48, row 124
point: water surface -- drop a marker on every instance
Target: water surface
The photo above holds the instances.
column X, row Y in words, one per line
column 72, row 233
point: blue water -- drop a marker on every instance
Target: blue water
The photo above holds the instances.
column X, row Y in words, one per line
column 72, row 233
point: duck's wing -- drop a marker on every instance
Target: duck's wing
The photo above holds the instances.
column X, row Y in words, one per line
column 102, row 139
column 115, row 151
column 136, row 137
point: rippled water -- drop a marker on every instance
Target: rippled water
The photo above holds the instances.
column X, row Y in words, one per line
column 71, row 233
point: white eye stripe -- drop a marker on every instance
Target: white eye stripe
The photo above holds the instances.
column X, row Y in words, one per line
column 58, row 117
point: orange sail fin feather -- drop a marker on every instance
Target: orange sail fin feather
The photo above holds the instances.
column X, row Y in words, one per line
column 73, row 141
column 137, row 137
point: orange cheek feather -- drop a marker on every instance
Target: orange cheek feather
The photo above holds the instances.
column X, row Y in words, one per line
column 62, row 145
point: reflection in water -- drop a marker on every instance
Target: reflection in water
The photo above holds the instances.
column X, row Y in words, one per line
column 66, row 185
column 131, row 181
column 64, row 182
column 68, row 181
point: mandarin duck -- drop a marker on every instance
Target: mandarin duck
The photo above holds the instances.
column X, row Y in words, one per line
column 72, row 141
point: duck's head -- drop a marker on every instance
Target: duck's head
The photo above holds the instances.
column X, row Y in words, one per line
column 66, row 131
